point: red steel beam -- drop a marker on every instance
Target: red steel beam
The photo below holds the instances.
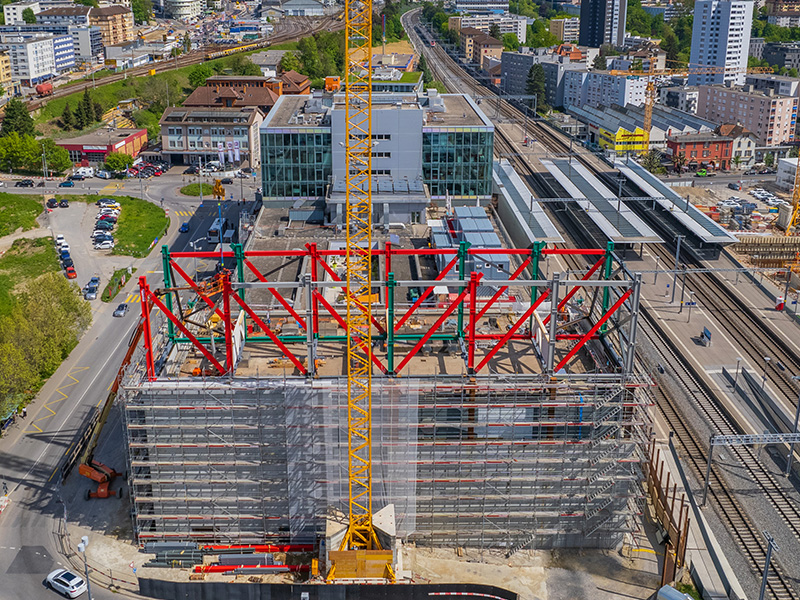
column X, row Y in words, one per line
column 148, row 335
column 277, row 294
column 226, row 304
column 503, row 289
column 574, row 290
column 427, row 293
column 196, row 288
column 473, row 319
column 434, row 327
column 281, row 346
column 312, row 250
column 182, row 327
column 513, row 329
column 593, row 330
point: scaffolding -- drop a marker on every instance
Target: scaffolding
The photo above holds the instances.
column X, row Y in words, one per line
column 537, row 440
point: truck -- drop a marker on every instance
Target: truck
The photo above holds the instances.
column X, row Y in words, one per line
column 44, row 89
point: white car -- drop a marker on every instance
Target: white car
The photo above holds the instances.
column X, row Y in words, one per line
column 108, row 211
column 60, row 241
column 103, row 174
column 67, row 583
column 105, row 245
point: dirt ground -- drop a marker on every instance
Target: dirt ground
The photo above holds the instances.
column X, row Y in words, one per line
column 401, row 47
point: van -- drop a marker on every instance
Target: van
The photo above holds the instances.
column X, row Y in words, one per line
column 670, row 593
column 85, row 171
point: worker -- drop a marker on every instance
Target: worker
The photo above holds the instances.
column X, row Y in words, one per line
column 24, row 412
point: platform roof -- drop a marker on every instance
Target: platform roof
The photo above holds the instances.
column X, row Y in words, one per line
column 681, row 209
column 514, row 189
column 614, row 218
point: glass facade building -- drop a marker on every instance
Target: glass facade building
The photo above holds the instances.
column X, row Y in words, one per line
column 458, row 162
column 295, row 163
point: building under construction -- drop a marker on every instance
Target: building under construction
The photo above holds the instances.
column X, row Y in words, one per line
column 507, row 412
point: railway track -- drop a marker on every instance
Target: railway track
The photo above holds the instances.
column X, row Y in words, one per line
column 191, row 58
column 732, row 513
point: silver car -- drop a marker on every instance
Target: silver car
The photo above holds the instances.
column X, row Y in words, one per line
column 67, row 583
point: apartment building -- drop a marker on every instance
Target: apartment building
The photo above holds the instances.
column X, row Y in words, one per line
column 772, row 118
column 645, row 59
column 32, row 58
column 5, row 74
column 721, row 38
column 515, row 67
column 783, row 54
column 743, row 143
column 603, row 22
column 702, row 149
column 601, row 88
column 76, row 14
column 87, row 43
column 757, row 47
column 566, row 30
column 782, row 86
column 476, row 7
column 681, row 97
column 115, row 23
column 184, row 10
column 191, row 133
column 13, row 12
column 476, row 45
column 508, row 23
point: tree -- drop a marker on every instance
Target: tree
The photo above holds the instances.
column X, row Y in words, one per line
column 118, row 161
column 290, row 62
column 737, row 160
column 187, row 42
column 794, row 152
column 67, row 118
column 57, row 157
column 510, row 42
column 539, row 35
column 98, row 111
column 199, row 74
column 669, row 44
column 309, row 56
column 81, row 120
column 17, row 119
column 142, row 10
column 28, row 16
column 88, row 108
column 494, row 31
column 534, row 86
column 599, row 63
column 678, row 162
column 651, row 160
column 769, row 159
column 636, row 64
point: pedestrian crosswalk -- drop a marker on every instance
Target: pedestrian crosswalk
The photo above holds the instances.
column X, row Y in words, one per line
column 184, row 213
column 132, row 298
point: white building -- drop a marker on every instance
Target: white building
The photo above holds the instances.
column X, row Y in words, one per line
column 481, row 6
column 184, row 10
column 596, row 88
column 507, row 23
column 681, row 97
column 32, row 59
column 721, row 38
column 784, row 20
column 303, row 8
column 13, row 12
column 786, row 172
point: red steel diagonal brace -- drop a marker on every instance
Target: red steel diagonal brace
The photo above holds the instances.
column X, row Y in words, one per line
column 513, row 330
column 180, row 325
column 196, row 288
column 341, row 322
column 277, row 294
column 574, row 290
column 144, row 291
column 281, row 346
column 502, row 290
column 226, row 304
column 593, row 330
column 459, row 299
column 427, row 293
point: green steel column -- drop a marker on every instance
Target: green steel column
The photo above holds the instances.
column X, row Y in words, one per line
column 390, row 285
column 536, row 255
column 462, row 265
column 238, row 252
column 607, row 275
column 167, row 284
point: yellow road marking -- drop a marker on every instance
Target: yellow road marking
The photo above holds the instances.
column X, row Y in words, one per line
column 111, row 187
column 56, row 469
column 48, row 405
column 648, row 550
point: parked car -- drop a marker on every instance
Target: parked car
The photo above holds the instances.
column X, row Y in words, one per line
column 103, row 245
column 67, row 183
column 101, row 234
column 102, row 174
column 70, row 271
column 193, row 170
column 67, row 262
column 52, row 203
column 94, row 281
column 103, row 201
column 242, row 175
column 66, row 582
column 77, row 177
column 40, row 184
column 90, row 293
column 751, row 172
column 60, row 241
column 184, row 227
column 247, row 170
column 108, row 219
column 121, row 310
column 63, row 203
column 25, row 183
column 104, row 225
column 226, row 181
column 64, row 249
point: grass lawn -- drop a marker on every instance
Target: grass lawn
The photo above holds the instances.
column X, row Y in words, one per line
column 24, row 261
column 18, row 210
column 140, row 223
column 118, row 279
column 193, row 189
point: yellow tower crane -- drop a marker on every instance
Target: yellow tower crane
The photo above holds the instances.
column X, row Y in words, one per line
column 794, row 220
column 650, row 89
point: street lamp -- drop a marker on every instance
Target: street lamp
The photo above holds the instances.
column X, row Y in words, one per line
column 194, row 249
column 82, row 549
column 794, row 430
column 764, row 374
column 736, row 379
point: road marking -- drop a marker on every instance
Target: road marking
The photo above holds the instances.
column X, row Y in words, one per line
column 50, row 403
column 133, row 298
column 112, row 187
column 184, row 213
column 58, row 465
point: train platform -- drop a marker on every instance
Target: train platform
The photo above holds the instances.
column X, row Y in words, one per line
column 612, row 216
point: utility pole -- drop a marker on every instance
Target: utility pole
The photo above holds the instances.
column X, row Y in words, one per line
column 736, row 379
column 771, row 545
column 82, row 549
column 675, row 268
column 764, row 374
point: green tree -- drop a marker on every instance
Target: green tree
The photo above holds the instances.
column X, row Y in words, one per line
column 309, row 56
column 67, row 118
column 769, row 159
column 535, row 86
column 679, row 162
column 98, row 111
column 539, row 35
column 290, row 62
column 17, row 119
column 494, row 31
column 737, row 160
column 88, row 107
column 198, row 75
column 17, row 151
column 510, row 42
column 187, row 42
column 793, row 152
column 57, row 157
column 142, row 10
column 599, row 63
column 28, row 16
column 118, row 161
column 638, row 22
column 81, row 120
column 636, row 64
column 651, row 160
column 669, row 44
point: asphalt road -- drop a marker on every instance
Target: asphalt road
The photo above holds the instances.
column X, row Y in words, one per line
column 30, row 452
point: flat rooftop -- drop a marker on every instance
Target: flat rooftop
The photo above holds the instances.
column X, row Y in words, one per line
column 288, row 112
column 101, row 137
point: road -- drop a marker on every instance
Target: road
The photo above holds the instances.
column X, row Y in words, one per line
column 31, row 451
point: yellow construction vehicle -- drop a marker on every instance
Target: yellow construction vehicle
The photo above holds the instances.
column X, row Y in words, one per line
column 219, row 191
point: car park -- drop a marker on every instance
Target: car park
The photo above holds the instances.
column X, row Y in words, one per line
column 184, row 227
column 70, row 271
column 63, row 203
column 66, row 582
column 24, row 183
column 121, row 310
column 52, row 203
column 67, row 183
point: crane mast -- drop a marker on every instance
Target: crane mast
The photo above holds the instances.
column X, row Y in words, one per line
column 358, row 148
